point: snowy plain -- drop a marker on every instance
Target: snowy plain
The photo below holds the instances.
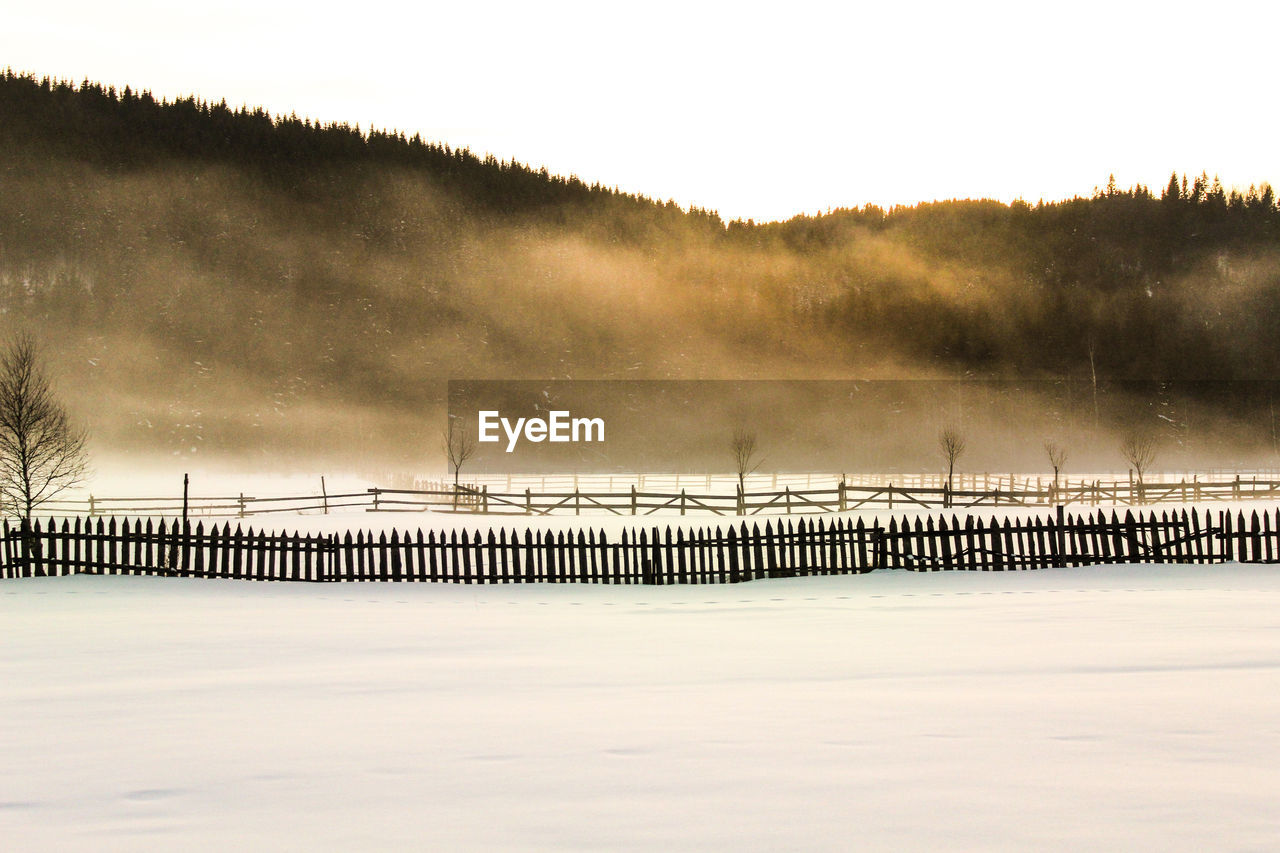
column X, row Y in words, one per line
column 1105, row 708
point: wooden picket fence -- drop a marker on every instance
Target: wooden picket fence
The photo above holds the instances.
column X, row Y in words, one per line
column 586, row 556
column 741, row 552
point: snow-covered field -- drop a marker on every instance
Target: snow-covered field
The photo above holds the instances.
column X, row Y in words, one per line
column 1111, row 708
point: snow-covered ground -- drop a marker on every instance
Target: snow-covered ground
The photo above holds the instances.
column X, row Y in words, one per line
column 1111, row 708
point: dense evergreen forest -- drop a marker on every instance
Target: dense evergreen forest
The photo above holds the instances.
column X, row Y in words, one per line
column 212, row 277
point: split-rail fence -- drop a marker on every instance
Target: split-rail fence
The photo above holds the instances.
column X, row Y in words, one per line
column 843, row 497
column 738, row 552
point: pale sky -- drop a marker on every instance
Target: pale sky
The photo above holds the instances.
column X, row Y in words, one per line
column 754, row 110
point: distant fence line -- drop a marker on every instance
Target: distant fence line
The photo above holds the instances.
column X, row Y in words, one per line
column 739, row 552
column 805, row 480
column 841, row 498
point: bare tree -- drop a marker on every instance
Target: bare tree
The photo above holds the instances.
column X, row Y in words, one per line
column 743, row 449
column 1139, row 450
column 1057, row 459
column 41, row 453
column 951, row 443
column 459, row 447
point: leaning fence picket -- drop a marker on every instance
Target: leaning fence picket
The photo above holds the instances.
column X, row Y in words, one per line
column 1082, row 551
column 1105, row 538
column 1117, row 534
column 994, row 534
column 941, row 555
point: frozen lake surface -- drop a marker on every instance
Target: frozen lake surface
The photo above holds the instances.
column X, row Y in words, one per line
column 1108, row 708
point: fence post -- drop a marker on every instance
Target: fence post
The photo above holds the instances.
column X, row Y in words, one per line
column 1224, row 531
column 34, row 548
column 645, row 559
column 788, row 500
column 325, row 571
column 844, row 504
column 24, row 548
column 528, row 502
column 484, row 498
column 1059, row 540
column 633, row 495
column 242, row 505
column 682, row 495
column 176, row 559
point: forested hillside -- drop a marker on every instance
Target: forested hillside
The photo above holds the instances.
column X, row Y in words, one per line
column 210, row 277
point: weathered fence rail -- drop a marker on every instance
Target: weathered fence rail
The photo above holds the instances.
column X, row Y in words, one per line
column 984, row 481
column 787, row 501
column 738, row 552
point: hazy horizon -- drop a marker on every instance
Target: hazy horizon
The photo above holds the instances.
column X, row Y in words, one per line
column 216, row 285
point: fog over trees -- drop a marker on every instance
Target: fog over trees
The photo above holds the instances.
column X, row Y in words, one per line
column 209, row 278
